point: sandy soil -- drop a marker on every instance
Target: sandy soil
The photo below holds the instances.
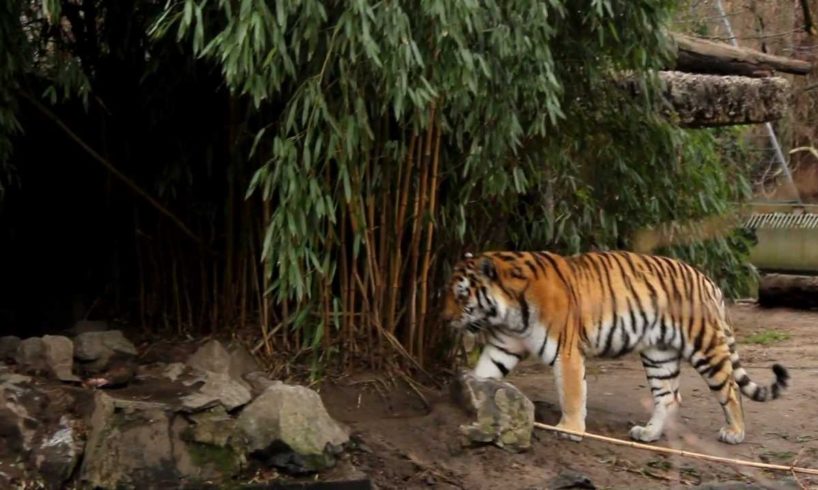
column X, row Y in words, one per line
column 405, row 444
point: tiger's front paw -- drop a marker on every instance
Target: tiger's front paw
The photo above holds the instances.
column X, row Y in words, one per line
column 645, row 434
column 572, row 427
column 731, row 436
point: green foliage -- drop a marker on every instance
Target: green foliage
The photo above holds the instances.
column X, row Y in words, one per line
column 717, row 170
column 539, row 149
column 11, row 66
column 31, row 48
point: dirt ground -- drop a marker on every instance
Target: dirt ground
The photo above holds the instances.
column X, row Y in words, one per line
column 404, row 444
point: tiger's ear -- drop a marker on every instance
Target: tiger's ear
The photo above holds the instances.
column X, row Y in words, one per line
column 488, row 269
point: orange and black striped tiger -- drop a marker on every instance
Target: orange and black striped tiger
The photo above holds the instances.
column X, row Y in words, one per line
column 604, row 304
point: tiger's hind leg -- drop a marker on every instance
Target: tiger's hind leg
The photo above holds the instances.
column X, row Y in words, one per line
column 716, row 367
column 662, row 370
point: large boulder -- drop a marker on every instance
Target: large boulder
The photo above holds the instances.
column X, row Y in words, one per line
column 37, row 429
column 214, row 427
column 85, row 326
column 504, row 416
column 289, row 427
column 97, row 349
column 222, row 372
column 218, row 388
column 51, row 355
column 216, row 358
column 58, row 352
column 20, row 406
column 56, row 455
column 136, row 444
column 8, row 347
column 30, row 357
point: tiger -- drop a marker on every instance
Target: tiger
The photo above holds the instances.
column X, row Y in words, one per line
column 564, row 309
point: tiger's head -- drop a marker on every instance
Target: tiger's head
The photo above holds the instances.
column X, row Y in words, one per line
column 482, row 293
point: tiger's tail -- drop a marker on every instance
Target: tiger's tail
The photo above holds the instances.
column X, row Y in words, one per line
column 749, row 387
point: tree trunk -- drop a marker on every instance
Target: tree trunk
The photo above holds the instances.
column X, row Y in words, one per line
column 788, row 290
column 703, row 56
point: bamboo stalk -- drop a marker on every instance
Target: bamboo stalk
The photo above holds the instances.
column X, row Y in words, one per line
column 390, row 337
column 385, row 250
column 386, row 244
column 203, row 281
column 417, row 229
column 372, row 259
column 353, row 300
column 259, row 283
column 140, row 264
column 680, row 452
column 186, row 279
column 243, row 293
column 215, row 299
column 401, row 203
column 345, row 280
column 365, row 312
column 327, row 285
column 427, row 255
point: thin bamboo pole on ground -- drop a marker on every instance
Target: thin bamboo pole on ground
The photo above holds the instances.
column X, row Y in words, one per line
column 680, row 452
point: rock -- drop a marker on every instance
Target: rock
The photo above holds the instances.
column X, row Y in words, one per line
column 174, row 370
column 129, row 444
column 85, row 326
column 259, row 382
column 98, row 348
column 8, row 347
column 242, row 362
column 214, row 427
column 218, row 388
column 289, row 426
column 56, row 457
column 13, row 379
column 59, row 356
column 31, row 356
column 505, row 417
column 120, row 373
column 143, row 445
column 570, row 479
column 21, row 409
column 214, row 357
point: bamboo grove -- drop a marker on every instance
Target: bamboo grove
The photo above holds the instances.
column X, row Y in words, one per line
column 361, row 147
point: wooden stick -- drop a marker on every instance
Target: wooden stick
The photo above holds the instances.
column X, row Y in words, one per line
column 679, row 452
column 112, row 169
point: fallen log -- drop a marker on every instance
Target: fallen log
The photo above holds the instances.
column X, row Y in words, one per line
column 696, row 55
column 788, row 291
column 698, row 101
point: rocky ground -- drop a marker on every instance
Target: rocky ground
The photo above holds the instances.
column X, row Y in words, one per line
column 417, row 446
column 91, row 409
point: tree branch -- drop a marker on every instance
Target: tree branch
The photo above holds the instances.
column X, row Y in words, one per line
column 111, row 168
